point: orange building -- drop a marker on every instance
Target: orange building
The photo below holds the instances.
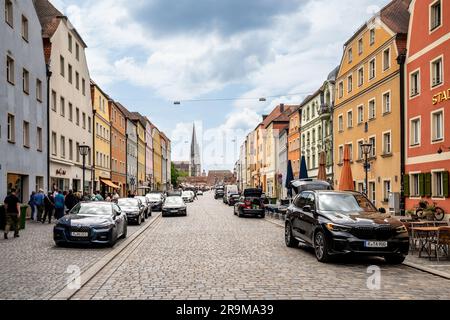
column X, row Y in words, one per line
column 294, row 141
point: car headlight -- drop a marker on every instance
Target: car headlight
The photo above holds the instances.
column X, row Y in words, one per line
column 103, row 226
column 337, row 228
column 401, row 229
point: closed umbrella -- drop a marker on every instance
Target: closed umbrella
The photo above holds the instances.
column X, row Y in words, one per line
column 322, row 175
column 289, row 178
column 303, row 169
column 346, row 182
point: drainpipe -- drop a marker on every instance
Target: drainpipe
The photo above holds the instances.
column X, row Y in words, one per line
column 94, row 112
column 401, row 61
column 49, row 76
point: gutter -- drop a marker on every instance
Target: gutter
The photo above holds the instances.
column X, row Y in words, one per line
column 49, row 76
column 401, row 61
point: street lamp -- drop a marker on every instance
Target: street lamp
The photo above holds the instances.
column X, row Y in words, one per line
column 366, row 149
column 84, row 151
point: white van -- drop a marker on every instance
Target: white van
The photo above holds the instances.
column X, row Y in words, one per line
column 229, row 191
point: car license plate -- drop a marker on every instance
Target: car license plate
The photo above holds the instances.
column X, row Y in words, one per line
column 174, row 211
column 376, row 244
column 80, row 234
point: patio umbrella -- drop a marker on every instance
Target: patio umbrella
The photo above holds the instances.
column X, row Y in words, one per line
column 289, row 178
column 303, row 169
column 346, row 182
column 322, row 175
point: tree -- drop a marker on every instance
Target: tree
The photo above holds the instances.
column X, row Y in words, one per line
column 176, row 174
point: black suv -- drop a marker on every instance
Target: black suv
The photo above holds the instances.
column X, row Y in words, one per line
column 335, row 222
column 220, row 192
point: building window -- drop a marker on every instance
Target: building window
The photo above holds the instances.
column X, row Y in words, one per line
column 10, row 69
column 415, row 129
column 77, row 116
column 386, row 190
column 436, row 72
column 25, row 28
column 350, row 149
column 372, row 192
column 62, row 106
column 415, row 185
column 89, row 124
column 11, row 129
column 350, row 119
column 373, row 142
column 372, row 69
column 26, row 81
column 350, row 55
column 9, row 13
column 437, row 126
column 62, row 66
column 360, row 114
column 360, row 46
column 438, row 184
column 77, row 147
column 387, row 102
column 26, row 134
column 341, row 123
column 54, row 101
column 350, row 83
column 83, row 86
column 360, row 153
column 372, row 37
column 361, row 76
column 341, row 154
column 54, row 146
column 387, row 143
column 70, row 73
column 77, row 80
column 386, row 59
column 372, row 109
column 70, row 149
column 77, row 51
column 341, row 89
column 70, row 112
column 70, row 43
column 415, row 83
column 38, row 90
column 39, row 139
column 63, row 147
column 84, row 120
column 435, row 15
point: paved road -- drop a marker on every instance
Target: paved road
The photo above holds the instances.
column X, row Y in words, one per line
column 211, row 254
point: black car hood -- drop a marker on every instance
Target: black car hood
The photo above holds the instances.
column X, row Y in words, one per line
column 362, row 218
column 85, row 220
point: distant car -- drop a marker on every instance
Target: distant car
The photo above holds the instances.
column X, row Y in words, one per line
column 250, row 203
column 228, row 191
column 133, row 208
column 147, row 206
column 310, row 184
column 156, row 201
column 187, row 196
column 174, row 193
column 199, row 192
column 339, row 223
column 233, row 199
column 174, row 206
column 219, row 193
column 91, row 223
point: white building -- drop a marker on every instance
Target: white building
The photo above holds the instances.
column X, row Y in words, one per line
column 283, row 162
column 70, row 99
column 23, row 101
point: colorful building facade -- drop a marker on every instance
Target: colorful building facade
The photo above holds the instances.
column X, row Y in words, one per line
column 294, row 141
column 118, row 148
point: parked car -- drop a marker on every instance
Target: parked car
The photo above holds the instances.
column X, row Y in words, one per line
column 250, row 203
column 219, row 193
column 147, row 206
column 187, row 196
column 156, row 201
column 133, row 208
column 310, row 184
column 91, row 223
column 176, row 193
column 174, row 206
column 199, row 192
column 233, row 199
column 336, row 223
column 229, row 191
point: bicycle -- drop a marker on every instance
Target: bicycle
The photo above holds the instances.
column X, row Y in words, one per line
column 425, row 210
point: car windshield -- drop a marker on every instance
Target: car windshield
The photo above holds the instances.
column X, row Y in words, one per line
column 128, row 202
column 345, row 203
column 154, row 197
column 174, row 200
column 95, row 209
column 142, row 199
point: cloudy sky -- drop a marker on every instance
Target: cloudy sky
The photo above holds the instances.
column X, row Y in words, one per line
column 149, row 53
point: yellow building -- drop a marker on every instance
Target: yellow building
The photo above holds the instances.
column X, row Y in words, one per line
column 141, row 149
column 102, row 139
column 157, row 159
column 367, row 105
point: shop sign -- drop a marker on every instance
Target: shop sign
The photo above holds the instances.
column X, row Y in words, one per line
column 441, row 97
column 61, row 172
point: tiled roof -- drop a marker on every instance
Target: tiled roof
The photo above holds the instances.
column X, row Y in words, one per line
column 124, row 110
column 49, row 17
column 396, row 16
column 279, row 115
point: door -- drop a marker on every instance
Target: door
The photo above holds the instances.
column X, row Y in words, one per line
column 120, row 219
column 309, row 218
column 296, row 215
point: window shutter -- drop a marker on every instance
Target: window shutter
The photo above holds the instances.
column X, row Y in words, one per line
column 406, row 185
column 422, row 184
column 445, row 180
column 427, row 184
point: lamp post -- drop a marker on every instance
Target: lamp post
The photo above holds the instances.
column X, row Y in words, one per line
column 366, row 149
column 84, row 151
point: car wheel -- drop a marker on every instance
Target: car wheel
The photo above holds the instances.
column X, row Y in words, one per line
column 113, row 240
column 240, row 215
column 125, row 230
column 291, row 242
column 395, row 259
column 321, row 247
column 139, row 220
column 262, row 216
column 234, row 211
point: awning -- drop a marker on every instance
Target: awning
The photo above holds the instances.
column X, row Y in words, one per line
column 110, row 184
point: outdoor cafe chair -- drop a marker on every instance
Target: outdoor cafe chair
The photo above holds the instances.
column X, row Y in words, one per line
column 442, row 242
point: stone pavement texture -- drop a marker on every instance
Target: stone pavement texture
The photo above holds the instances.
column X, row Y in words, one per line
column 212, row 254
column 32, row 267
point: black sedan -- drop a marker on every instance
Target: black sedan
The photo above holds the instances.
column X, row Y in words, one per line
column 156, row 200
column 233, row 199
column 174, row 206
column 91, row 223
column 250, row 203
column 339, row 223
column 133, row 208
column 147, row 206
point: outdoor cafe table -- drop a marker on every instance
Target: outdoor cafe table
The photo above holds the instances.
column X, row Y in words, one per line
column 425, row 235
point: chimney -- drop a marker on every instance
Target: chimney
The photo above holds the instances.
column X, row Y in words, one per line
column 265, row 116
column 282, row 107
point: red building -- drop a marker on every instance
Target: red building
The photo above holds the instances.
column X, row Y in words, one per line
column 427, row 156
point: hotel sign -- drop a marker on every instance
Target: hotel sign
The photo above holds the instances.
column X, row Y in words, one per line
column 441, row 97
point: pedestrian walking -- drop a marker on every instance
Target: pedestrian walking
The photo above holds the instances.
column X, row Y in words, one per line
column 98, row 196
column 59, row 205
column 39, row 203
column 32, row 206
column 116, row 196
column 71, row 200
column 49, row 203
column 12, row 206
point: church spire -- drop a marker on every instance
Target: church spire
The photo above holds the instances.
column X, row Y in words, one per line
column 195, row 155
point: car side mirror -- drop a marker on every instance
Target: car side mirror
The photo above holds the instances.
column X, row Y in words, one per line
column 307, row 209
column 382, row 210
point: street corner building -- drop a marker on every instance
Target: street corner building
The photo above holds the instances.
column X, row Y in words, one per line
column 23, row 101
column 71, row 115
column 368, row 103
column 427, row 92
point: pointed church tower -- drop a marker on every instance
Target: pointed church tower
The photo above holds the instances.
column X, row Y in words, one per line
column 195, row 156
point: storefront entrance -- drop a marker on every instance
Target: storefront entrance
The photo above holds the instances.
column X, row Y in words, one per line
column 16, row 181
